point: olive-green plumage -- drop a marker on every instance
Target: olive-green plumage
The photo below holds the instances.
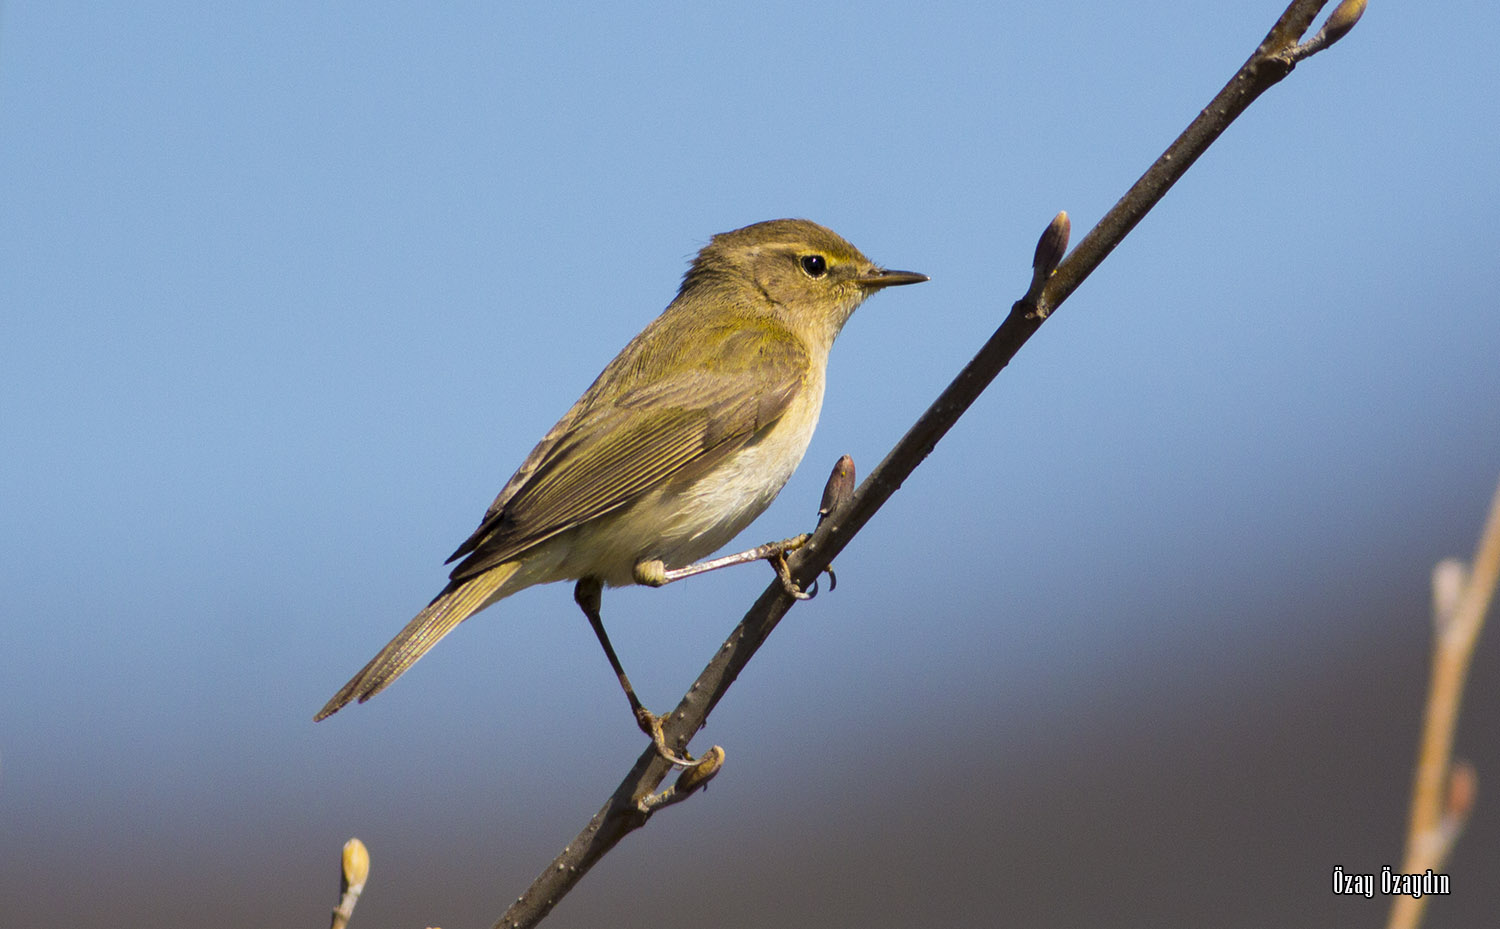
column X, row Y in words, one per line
column 686, row 436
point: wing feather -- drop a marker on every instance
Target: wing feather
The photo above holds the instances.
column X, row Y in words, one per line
column 608, row 451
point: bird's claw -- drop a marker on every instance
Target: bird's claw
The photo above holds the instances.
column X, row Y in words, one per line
column 651, row 724
column 785, row 574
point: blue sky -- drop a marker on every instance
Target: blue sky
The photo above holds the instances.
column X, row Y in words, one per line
column 288, row 290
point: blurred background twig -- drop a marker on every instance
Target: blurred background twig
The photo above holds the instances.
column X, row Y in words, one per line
column 1443, row 795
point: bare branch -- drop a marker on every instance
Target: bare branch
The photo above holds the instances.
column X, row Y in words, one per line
column 625, row 811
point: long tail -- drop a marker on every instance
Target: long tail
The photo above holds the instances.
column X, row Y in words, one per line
column 456, row 603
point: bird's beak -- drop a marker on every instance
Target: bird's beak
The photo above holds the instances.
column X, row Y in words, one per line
column 880, row 277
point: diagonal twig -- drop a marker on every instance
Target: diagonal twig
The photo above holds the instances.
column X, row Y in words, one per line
column 630, row 806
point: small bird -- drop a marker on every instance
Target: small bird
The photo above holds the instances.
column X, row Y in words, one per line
column 686, row 437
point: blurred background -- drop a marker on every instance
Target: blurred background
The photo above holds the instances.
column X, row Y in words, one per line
column 288, row 290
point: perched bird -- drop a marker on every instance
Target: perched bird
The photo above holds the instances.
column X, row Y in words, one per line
column 686, row 437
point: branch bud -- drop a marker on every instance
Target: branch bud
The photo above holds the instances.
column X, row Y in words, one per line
column 356, row 864
column 1052, row 246
column 1449, row 577
column 839, row 489
column 1050, row 249
column 1335, row 27
column 1463, row 788
column 701, row 773
column 1342, row 19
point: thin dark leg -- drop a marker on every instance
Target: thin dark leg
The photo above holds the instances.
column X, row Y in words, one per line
column 587, row 594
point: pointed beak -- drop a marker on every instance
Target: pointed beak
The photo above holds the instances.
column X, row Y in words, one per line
column 880, row 278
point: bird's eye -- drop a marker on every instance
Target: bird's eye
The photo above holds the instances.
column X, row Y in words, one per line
column 814, row 265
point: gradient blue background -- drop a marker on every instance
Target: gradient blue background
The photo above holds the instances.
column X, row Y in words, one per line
column 288, row 290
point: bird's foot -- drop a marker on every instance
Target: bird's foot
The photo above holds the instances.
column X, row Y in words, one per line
column 778, row 561
column 651, row 724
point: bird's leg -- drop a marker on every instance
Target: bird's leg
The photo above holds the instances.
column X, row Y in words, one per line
column 655, row 573
column 836, row 494
column 587, row 594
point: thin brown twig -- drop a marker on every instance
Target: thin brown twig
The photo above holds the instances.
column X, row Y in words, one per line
column 1443, row 792
column 627, row 808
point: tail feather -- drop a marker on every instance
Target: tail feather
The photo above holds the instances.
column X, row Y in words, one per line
column 458, row 601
